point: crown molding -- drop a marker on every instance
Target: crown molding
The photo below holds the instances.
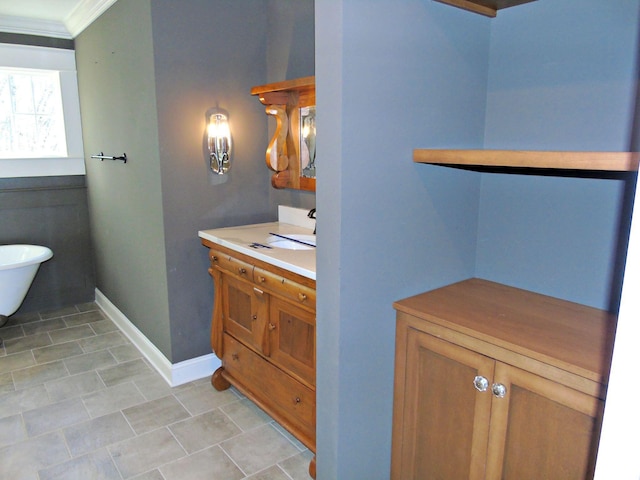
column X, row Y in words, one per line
column 32, row 26
column 85, row 13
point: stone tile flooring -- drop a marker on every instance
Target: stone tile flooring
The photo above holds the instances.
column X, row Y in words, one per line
column 78, row 401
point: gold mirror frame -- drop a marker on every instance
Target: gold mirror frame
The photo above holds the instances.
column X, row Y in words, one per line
column 283, row 101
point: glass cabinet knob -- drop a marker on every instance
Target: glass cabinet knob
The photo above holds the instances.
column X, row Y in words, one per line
column 498, row 390
column 481, row 383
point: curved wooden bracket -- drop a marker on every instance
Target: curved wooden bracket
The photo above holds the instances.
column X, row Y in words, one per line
column 281, row 179
column 284, row 150
column 277, row 158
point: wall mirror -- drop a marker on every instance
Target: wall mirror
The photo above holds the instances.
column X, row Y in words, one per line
column 291, row 153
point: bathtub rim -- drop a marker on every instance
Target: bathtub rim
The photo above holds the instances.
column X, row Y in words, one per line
column 36, row 255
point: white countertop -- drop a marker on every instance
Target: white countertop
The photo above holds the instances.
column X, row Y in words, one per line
column 240, row 239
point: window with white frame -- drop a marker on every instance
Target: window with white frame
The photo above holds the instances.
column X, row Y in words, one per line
column 31, row 115
column 40, row 132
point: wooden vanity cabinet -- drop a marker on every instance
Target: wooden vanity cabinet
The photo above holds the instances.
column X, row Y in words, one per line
column 493, row 382
column 263, row 330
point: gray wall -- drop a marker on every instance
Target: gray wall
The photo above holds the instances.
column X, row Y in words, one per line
column 117, row 98
column 146, row 89
column 393, row 76
column 198, row 68
column 51, row 211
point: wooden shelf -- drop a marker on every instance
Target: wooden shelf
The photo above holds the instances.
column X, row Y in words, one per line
column 280, row 93
column 488, row 8
column 561, row 160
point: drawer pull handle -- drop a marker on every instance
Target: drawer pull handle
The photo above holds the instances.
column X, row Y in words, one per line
column 272, row 326
column 302, row 297
column 498, row 390
column 214, row 258
column 297, row 400
column 254, row 317
column 261, row 279
column 242, row 270
column 481, row 383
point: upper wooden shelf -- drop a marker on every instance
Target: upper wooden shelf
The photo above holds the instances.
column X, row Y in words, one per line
column 488, row 8
column 601, row 161
column 299, row 90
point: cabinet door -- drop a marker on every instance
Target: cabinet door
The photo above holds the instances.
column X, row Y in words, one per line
column 541, row 429
column 292, row 338
column 245, row 313
column 441, row 422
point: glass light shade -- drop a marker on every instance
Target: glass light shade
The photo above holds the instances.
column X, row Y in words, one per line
column 219, row 140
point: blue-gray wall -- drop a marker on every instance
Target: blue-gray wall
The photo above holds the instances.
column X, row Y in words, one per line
column 560, row 78
column 393, row 76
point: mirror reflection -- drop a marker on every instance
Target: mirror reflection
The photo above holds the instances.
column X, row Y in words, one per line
column 308, row 141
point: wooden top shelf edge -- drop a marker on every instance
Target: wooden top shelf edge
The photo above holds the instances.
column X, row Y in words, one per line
column 298, row 84
column 487, row 8
column 572, row 337
column 562, row 160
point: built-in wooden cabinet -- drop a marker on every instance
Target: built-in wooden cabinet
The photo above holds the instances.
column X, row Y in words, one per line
column 494, row 382
column 263, row 330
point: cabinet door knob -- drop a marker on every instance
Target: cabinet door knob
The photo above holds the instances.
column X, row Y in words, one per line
column 272, row 326
column 302, row 297
column 254, row 317
column 481, row 383
column 498, row 390
column 297, row 400
column 214, row 258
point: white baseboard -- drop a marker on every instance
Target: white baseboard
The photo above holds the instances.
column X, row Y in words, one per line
column 174, row 373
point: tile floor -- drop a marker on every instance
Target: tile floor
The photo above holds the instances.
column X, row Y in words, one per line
column 78, row 401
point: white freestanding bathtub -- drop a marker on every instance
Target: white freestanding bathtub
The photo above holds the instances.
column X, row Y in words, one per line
column 18, row 267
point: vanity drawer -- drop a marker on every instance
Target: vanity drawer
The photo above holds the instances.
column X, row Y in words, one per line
column 231, row 264
column 301, row 294
column 290, row 402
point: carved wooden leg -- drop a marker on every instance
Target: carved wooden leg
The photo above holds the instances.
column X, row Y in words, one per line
column 312, row 467
column 218, row 381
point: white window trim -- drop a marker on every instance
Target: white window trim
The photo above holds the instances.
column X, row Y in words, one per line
column 64, row 61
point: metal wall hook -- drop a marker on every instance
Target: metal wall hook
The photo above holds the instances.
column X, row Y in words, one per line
column 104, row 157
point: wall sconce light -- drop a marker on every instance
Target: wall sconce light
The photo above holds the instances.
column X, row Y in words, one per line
column 219, row 141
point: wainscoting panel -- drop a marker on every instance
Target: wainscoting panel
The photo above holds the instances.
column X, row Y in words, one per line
column 51, row 211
